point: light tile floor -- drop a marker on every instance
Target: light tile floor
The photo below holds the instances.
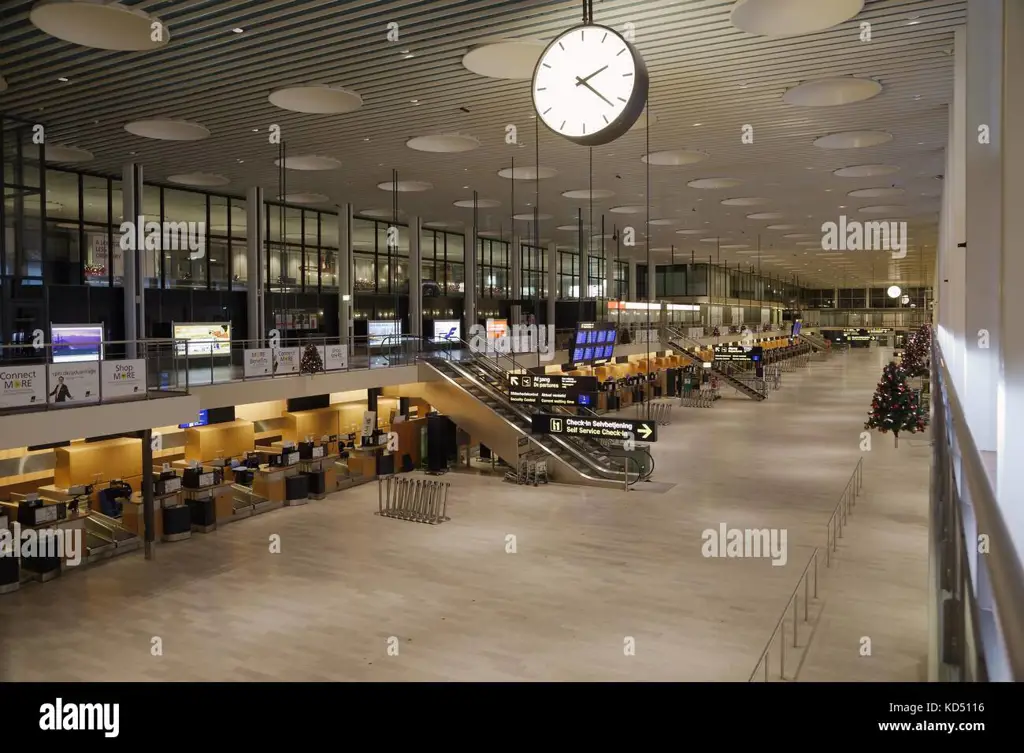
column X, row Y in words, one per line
column 593, row 568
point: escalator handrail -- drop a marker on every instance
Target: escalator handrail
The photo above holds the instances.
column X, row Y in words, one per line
column 558, row 440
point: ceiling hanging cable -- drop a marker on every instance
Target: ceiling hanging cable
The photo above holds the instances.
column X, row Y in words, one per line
column 281, row 230
column 651, row 272
column 590, row 221
column 588, row 11
column 536, row 222
column 392, row 244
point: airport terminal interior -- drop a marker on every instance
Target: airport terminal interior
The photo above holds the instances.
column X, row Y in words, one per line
column 555, row 340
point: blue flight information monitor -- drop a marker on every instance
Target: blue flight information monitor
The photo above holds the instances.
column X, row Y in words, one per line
column 594, row 343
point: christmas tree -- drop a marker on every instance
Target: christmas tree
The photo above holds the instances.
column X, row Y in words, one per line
column 894, row 407
column 311, row 361
column 916, row 355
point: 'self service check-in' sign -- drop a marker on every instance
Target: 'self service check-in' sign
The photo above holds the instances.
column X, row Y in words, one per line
column 600, row 428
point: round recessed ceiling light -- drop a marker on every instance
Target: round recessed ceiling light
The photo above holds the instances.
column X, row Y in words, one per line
column 198, row 179
column 316, row 100
column 865, row 171
column 745, row 201
column 709, row 183
column 766, row 216
column 853, row 140
column 57, row 153
column 529, row 217
column 788, row 18
column 675, row 157
column 888, row 209
column 480, row 203
column 630, row 209
column 102, row 26
column 168, row 129
column 782, row 227
column 586, row 193
column 304, row 198
column 406, row 186
column 527, row 173
column 509, row 59
column 380, row 214
column 665, row 221
column 872, row 193
column 799, row 235
column 447, row 143
column 894, row 291
column 689, row 232
column 309, row 162
column 832, row 92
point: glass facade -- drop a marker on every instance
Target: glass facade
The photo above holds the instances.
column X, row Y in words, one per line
column 493, row 268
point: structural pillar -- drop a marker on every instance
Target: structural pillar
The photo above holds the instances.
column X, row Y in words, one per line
column 983, row 218
column 552, row 283
column 148, row 501
column 610, row 288
column 415, row 278
column 134, row 295
column 344, row 275
column 469, row 301
column 515, row 263
column 254, row 268
column 632, row 279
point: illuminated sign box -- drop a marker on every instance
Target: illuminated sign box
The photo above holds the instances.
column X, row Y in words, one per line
column 76, row 342
column 202, row 339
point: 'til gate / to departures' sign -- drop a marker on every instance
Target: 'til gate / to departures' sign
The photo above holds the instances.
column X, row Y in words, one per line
column 556, row 382
column 601, row 428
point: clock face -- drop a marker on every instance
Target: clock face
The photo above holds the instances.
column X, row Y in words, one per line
column 589, row 85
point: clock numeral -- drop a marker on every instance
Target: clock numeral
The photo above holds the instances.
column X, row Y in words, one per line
column 546, row 111
column 604, row 37
column 561, row 45
column 620, row 52
column 562, row 127
column 545, row 65
column 626, row 75
column 605, row 118
column 584, row 128
column 542, row 88
column 621, row 99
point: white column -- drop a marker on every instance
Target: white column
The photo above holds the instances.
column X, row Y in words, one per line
column 134, row 301
column 254, row 270
column 1010, row 426
column 958, row 191
column 552, row 283
column 344, row 274
column 415, row 278
column 983, row 219
column 632, row 279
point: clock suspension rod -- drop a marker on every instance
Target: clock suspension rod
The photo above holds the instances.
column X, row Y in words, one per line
column 588, row 11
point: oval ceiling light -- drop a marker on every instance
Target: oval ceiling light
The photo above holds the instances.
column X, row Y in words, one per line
column 406, row 186
column 586, row 193
column 441, row 224
column 894, row 291
column 665, row 221
column 445, row 143
column 710, row 183
column 799, row 235
column 380, row 214
column 853, row 140
column 490, row 234
column 304, row 198
column 58, row 153
column 674, row 157
column 809, row 243
column 888, row 209
column 527, row 173
column 873, row 193
column 198, row 179
column 689, row 232
column 782, row 227
column 712, row 240
column 512, row 59
column 865, row 171
column 102, row 26
column 480, row 203
column 789, row 18
column 316, row 100
column 746, row 201
column 529, row 217
column 766, row 216
column 733, row 246
column 832, row 92
column 629, row 209
column 308, row 162
column 168, row 129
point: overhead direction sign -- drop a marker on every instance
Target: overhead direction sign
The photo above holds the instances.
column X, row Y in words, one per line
column 543, row 396
column 601, row 428
column 737, row 352
column 557, row 382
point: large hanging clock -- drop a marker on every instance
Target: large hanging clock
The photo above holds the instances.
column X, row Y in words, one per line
column 590, row 85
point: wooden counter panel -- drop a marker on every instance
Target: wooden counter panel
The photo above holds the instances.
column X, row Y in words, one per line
column 315, row 423
column 83, row 463
column 227, row 440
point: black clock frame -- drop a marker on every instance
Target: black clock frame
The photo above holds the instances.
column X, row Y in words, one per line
column 634, row 108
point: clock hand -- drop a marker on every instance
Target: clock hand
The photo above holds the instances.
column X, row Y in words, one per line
column 585, row 80
column 581, row 81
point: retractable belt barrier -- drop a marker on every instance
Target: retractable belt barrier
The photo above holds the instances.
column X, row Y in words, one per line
column 418, row 500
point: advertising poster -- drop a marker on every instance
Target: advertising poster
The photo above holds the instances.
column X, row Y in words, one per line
column 204, row 339
column 369, row 423
column 124, row 378
column 447, row 330
column 76, row 342
column 22, row 385
column 74, row 383
column 258, row 362
column 497, row 328
column 383, row 332
column 286, row 360
column 336, row 358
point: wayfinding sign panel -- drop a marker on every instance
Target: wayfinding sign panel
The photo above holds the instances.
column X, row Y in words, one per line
column 738, row 353
column 556, row 381
column 599, row 428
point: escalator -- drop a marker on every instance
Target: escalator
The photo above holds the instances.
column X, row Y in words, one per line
column 471, row 391
column 815, row 341
column 690, row 351
column 105, row 537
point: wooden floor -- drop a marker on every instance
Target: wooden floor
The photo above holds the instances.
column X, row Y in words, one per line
column 593, row 571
